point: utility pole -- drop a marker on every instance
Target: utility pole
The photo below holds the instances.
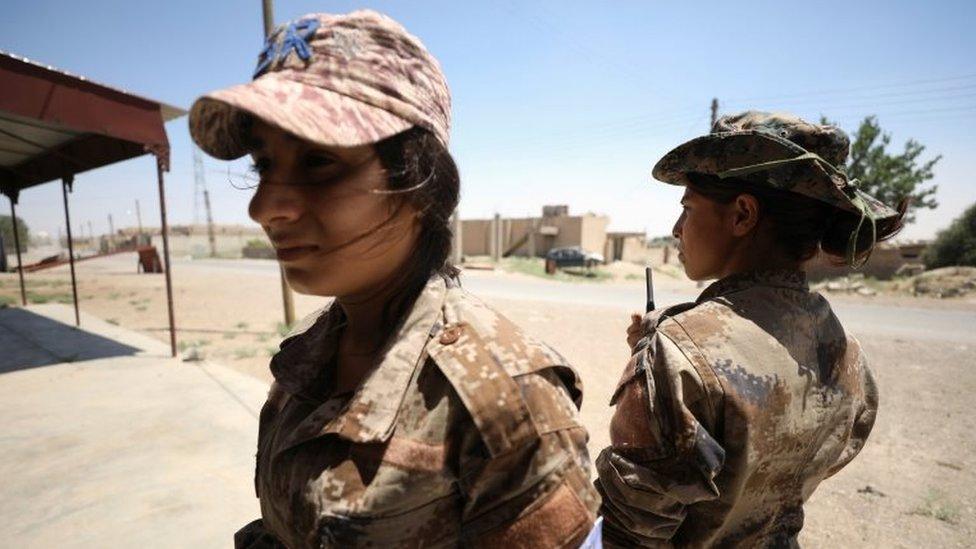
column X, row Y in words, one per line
column 268, row 6
column 700, row 283
column 196, row 202
column 200, row 186
column 138, row 218
column 288, row 300
column 210, row 224
column 111, row 232
column 91, row 234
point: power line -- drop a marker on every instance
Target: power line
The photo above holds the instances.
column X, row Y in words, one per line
column 928, row 95
column 850, row 90
column 583, row 148
column 656, row 118
column 967, row 108
column 575, row 41
column 587, row 136
column 874, row 108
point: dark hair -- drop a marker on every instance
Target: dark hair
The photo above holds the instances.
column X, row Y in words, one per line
column 420, row 166
column 801, row 226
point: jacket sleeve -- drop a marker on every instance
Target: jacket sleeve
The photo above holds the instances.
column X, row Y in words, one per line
column 254, row 536
column 662, row 456
column 537, row 492
column 865, row 392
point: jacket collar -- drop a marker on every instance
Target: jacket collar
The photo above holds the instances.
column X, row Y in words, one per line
column 301, row 363
column 370, row 414
column 789, row 279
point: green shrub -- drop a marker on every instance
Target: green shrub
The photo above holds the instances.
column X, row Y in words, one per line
column 956, row 244
column 283, row 329
column 246, row 352
column 7, row 233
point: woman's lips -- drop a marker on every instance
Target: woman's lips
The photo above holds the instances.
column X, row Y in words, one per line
column 295, row 252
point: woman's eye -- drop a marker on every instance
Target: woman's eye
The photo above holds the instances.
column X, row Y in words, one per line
column 319, row 161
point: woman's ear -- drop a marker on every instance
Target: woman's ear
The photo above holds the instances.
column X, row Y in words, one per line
column 745, row 214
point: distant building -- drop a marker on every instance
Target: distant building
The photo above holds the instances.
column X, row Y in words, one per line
column 626, row 246
column 534, row 236
column 560, row 210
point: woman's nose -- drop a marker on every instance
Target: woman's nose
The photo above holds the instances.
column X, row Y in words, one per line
column 276, row 203
column 676, row 230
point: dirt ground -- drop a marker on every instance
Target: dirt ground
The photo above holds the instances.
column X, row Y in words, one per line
column 913, row 485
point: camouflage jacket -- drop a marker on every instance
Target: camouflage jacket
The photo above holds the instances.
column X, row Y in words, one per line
column 730, row 413
column 467, row 432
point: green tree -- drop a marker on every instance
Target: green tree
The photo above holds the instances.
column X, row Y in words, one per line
column 890, row 176
column 956, row 244
column 7, row 232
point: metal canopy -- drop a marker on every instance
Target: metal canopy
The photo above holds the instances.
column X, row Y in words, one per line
column 14, row 151
column 55, row 125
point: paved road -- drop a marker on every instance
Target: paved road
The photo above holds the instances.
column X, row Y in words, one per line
column 861, row 318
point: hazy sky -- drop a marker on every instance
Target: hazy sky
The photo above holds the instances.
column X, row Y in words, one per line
column 554, row 102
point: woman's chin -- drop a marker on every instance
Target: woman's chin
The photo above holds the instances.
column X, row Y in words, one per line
column 308, row 282
column 695, row 275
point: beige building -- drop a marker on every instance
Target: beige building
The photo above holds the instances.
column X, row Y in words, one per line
column 626, row 246
column 534, row 236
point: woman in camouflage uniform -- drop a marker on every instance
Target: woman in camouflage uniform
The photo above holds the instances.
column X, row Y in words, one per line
column 406, row 413
column 735, row 407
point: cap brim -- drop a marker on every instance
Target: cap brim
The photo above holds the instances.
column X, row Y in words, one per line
column 718, row 152
column 710, row 154
column 218, row 119
column 877, row 209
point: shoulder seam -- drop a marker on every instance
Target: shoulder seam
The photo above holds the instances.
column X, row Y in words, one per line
column 485, row 394
column 708, row 377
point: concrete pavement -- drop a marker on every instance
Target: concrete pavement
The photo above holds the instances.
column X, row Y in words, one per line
column 109, row 442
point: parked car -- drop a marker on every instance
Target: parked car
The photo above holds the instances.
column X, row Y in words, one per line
column 572, row 256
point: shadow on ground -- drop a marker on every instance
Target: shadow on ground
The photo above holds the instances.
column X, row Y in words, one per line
column 29, row 340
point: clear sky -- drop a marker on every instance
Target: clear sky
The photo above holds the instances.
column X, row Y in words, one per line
column 555, row 102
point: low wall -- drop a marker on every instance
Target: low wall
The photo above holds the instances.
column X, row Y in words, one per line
column 198, row 245
column 258, row 253
column 882, row 265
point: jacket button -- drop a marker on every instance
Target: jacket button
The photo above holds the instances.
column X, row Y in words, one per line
column 450, row 335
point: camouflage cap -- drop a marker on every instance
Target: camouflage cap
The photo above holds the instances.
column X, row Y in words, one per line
column 339, row 80
column 780, row 150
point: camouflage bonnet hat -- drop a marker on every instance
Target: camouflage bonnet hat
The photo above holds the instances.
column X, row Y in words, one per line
column 338, row 80
column 779, row 150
